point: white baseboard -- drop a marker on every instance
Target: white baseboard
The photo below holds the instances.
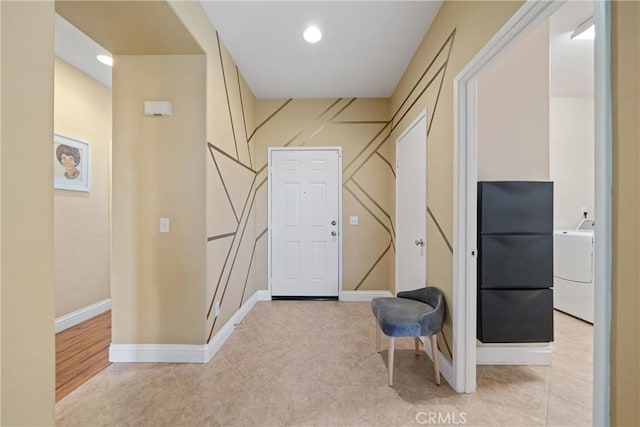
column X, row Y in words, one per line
column 352, row 296
column 85, row 313
column 263, row 295
column 446, row 368
column 169, row 353
column 218, row 339
column 513, row 355
column 184, row 353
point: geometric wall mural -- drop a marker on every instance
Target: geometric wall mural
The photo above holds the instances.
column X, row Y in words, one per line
column 237, row 180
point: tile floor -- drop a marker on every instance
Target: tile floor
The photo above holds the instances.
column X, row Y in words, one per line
column 314, row 364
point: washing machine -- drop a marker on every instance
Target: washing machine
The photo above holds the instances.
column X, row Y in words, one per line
column 573, row 275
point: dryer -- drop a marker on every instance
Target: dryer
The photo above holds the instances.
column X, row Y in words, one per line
column 573, row 275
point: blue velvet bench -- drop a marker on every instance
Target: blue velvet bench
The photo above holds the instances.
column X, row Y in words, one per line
column 417, row 313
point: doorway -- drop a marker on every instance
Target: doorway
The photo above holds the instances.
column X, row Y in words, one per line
column 305, row 244
column 411, row 206
column 529, row 17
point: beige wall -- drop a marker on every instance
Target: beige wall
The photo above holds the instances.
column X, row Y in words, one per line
column 460, row 29
column 571, row 159
column 27, row 389
column 360, row 127
column 625, row 298
column 231, row 177
column 158, row 279
column 513, row 113
column 82, row 110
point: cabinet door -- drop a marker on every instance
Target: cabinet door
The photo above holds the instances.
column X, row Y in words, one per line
column 515, row 261
column 515, row 207
column 508, row 316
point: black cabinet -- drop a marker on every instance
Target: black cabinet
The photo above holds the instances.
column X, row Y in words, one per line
column 515, row 207
column 515, row 261
column 508, row 316
column 511, row 261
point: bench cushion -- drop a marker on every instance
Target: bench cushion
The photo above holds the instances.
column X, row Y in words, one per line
column 400, row 317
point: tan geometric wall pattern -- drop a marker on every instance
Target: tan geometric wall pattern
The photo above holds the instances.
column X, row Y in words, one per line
column 237, row 180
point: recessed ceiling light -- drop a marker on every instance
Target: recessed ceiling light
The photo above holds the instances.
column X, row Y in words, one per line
column 106, row 60
column 312, row 34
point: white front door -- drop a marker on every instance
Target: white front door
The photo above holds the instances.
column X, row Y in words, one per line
column 411, row 206
column 305, row 222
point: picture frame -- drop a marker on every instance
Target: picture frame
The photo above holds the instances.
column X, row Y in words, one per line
column 71, row 164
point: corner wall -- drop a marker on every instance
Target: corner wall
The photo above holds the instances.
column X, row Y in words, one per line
column 158, row 279
column 458, row 32
column 231, row 175
column 27, row 301
column 82, row 111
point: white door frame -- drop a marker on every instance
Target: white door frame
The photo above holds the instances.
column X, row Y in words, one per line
column 339, row 150
column 422, row 115
column 526, row 19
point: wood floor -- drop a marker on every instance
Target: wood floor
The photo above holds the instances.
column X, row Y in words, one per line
column 81, row 352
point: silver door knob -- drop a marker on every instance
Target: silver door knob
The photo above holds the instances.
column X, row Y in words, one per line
column 333, row 233
column 420, row 242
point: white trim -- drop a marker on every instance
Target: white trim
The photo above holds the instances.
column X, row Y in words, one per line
column 603, row 212
column 351, row 296
column 218, row 339
column 328, row 148
column 446, row 368
column 421, row 116
column 85, row 313
column 184, row 353
column 513, row 355
column 527, row 18
column 263, row 295
column 167, row 353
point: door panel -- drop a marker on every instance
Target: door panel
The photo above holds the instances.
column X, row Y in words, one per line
column 411, row 208
column 304, row 213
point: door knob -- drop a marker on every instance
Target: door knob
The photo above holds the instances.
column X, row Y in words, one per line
column 333, row 233
column 420, row 242
column 333, row 222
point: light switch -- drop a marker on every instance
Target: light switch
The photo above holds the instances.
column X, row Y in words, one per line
column 164, row 225
column 353, row 220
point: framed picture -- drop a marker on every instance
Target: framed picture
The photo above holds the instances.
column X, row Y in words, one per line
column 71, row 164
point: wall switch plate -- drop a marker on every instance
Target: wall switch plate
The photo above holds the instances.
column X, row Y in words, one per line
column 164, row 225
column 354, row 220
column 216, row 309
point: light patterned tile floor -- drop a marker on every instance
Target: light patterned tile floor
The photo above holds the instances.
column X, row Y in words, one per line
column 308, row 363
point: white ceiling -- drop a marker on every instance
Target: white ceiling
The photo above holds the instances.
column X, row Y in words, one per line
column 365, row 46
column 74, row 47
column 571, row 62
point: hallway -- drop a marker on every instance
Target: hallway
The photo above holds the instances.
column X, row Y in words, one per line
column 314, row 363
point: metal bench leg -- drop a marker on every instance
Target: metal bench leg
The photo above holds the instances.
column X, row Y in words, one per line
column 377, row 337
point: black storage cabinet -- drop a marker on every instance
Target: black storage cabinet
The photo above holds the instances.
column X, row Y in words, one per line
column 515, row 261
